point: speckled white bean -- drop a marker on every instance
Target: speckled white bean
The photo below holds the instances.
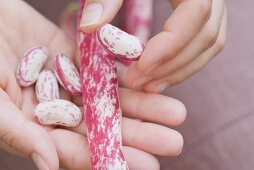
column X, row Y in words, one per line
column 31, row 65
column 119, row 43
column 58, row 112
column 46, row 87
column 67, row 74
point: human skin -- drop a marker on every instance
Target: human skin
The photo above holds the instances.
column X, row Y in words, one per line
column 192, row 36
column 145, row 115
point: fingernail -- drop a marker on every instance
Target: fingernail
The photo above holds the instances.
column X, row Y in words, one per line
column 161, row 87
column 141, row 80
column 150, row 69
column 92, row 14
column 39, row 162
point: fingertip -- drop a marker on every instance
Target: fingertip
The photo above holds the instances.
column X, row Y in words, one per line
column 89, row 28
column 157, row 50
column 174, row 144
column 179, row 113
column 97, row 12
column 175, row 110
column 45, row 154
column 178, row 143
column 142, row 64
column 91, row 16
column 138, row 159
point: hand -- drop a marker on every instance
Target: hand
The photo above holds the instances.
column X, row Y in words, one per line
column 192, row 35
column 22, row 27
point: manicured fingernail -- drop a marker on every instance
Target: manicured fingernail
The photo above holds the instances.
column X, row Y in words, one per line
column 150, row 69
column 141, row 80
column 92, row 14
column 39, row 162
column 161, row 87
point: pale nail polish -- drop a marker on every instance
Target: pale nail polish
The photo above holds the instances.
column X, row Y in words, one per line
column 92, row 14
column 141, row 80
column 161, row 87
column 39, row 162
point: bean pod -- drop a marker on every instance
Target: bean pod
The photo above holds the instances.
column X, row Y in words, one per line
column 138, row 16
column 101, row 104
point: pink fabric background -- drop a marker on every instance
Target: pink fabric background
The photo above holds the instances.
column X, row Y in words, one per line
column 218, row 131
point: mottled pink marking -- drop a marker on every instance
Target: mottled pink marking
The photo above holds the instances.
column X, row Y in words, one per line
column 101, row 104
column 116, row 42
column 31, row 65
column 67, row 74
column 138, row 16
column 137, row 20
column 46, row 87
column 58, row 112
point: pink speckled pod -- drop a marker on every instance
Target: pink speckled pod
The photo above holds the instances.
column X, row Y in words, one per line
column 31, row 65
column 119, row 43
column 101, row 104
column 137, row 20
column 46, row 87
column 58, row 112
column 67, row 74
column 138, row 16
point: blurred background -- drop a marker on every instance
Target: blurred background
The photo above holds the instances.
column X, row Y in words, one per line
column 218, row 131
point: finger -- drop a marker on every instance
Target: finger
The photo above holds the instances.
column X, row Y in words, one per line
column 72, row 149
column 61, row 43
column 73, row 152
column 125, row 75
column 137, row 159
column 184, row 23
column 9, row 84
column 146, row 136
column 24, row 137
column 97, row 12
column 174, row 3
column 151, row 107
column 194, row 66
column 121, row 74
column 204, row 40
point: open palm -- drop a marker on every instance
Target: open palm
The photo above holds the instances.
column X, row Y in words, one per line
column 22, row 28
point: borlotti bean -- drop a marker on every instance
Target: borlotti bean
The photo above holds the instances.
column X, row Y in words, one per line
column 119, row 43
column 31, row 65
column 67, row 74
column 46, row 87
column 101, row 104
column 58, row 112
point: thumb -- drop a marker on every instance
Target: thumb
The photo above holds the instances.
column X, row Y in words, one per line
column 96, row 12
column 130, row 76
column 22, row 137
